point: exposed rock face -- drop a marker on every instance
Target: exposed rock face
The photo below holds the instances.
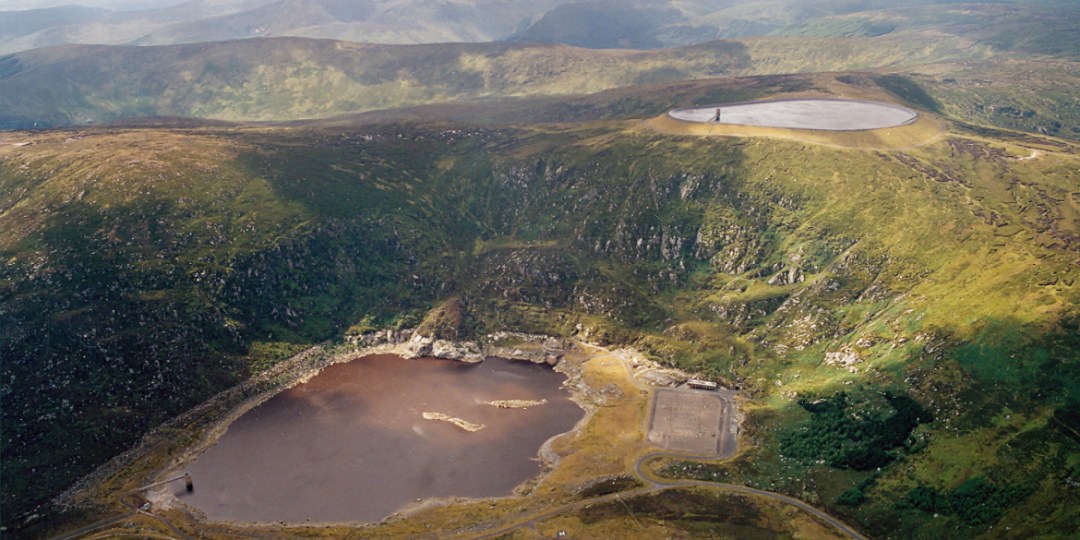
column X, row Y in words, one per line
column 379, row 337
column 607, row 395
column 651, row 373
column 843, row 358
column 418, row 346
column 509, row 345
column 410, row 344
column 662, row 377
column 530, row 347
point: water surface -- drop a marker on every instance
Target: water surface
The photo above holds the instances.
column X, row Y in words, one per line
column 351, row 444
column 820, row 114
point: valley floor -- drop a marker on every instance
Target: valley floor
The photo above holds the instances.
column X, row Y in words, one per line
column 605, row 461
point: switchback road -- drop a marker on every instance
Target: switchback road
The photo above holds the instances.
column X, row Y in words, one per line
column 654, row 485
column 657, row 485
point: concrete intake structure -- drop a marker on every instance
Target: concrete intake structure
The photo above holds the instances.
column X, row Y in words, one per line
column 187, row 483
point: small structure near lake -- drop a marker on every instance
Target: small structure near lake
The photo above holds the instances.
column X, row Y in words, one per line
column 699, row 384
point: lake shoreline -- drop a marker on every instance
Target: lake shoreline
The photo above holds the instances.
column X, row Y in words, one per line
column 164, row 499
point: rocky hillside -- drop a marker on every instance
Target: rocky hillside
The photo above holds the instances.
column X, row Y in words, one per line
column 930, row 289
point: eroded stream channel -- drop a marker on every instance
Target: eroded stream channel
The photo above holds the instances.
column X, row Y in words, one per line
column 353, row 444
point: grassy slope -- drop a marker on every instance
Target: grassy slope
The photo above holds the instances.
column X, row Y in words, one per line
column 140, row 271
column 932, row 260
column 146, row 268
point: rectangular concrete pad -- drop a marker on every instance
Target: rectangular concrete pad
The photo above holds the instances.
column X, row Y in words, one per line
column 692, row 422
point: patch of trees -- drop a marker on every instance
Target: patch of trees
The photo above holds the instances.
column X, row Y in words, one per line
column 857, row 495
column 859, row 437
column 977, row 501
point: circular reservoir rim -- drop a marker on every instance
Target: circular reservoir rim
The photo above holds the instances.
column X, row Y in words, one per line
column 914, row 114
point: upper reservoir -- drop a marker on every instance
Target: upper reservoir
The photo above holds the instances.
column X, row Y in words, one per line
column 818, row 114
column 354, row 442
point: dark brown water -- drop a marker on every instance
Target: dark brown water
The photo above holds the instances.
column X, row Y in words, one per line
column 351, row 444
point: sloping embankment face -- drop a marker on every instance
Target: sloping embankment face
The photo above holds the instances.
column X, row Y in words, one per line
column 923, row 130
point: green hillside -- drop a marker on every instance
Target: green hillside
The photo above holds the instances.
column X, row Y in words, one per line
column 902, row 322
column 1003, row 65
column 930, row 292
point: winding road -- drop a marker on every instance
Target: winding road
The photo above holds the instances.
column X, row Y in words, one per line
column 135, row 511
column 668, row 484
column 654, row 485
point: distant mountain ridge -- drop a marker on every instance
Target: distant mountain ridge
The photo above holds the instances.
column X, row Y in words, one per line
column 585, row 23
column 373, row 21
column 28, row 22
column 284, row 79
column 297, row 78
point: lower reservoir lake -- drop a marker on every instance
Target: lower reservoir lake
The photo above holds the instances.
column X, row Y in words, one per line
column 363, row 439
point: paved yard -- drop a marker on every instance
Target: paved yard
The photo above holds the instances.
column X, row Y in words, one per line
column 693, row 421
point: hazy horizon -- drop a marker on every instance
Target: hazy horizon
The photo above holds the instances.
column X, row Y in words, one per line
column 116, row 5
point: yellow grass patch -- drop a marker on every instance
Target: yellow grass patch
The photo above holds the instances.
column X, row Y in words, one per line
column 608, row 443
